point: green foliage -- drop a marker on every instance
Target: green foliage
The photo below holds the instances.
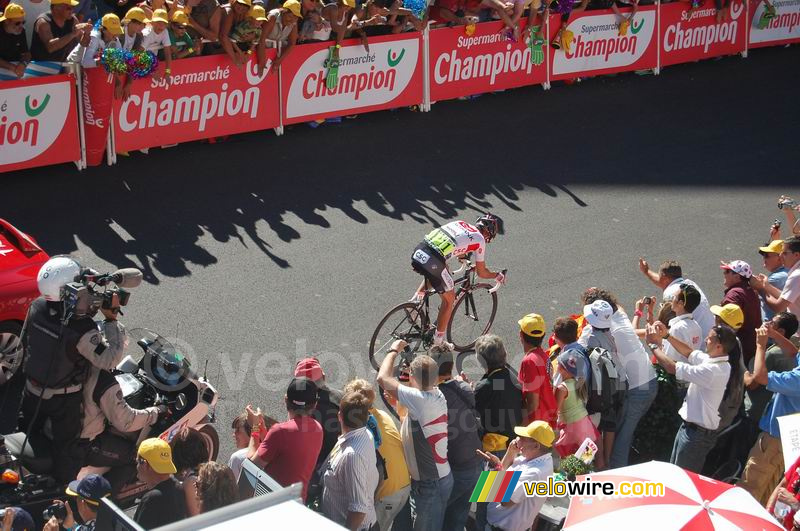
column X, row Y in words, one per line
column 656, row 431
column 571, row 467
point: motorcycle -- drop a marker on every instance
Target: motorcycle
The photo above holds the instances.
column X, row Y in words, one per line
column 163, row 376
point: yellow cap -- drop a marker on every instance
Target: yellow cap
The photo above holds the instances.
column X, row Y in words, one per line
column 158, row 455
column 730, row 314
column 12, row 11
column 137, row 14
column 294, row 7
column 532, row 325
column 72, row 3
column 111, row 23
column 180, row 18
column 775, row 246
column 258, row 13
column 160, row 15
column 538, row 430
column 350, row 3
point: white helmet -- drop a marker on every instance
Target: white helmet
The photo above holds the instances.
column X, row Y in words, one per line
column 55, row 274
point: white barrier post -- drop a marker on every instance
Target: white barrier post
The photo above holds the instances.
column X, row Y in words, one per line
column 111, row 144
column 77, row 71
column 747, row 31
column 279, row 130
column 547, row 51
column 657, row 70
column 426, row 77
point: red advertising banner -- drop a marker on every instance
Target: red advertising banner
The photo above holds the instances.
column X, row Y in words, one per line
column 38, row 122
column 598, row 47
column 688, row 37
column 783, row 28
column 205, row 97
column 98, row 94
column 487, row 60
column 389, row 75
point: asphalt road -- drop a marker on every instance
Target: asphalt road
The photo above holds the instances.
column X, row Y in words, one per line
column 262, row 250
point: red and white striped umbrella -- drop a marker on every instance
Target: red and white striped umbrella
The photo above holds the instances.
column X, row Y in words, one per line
column 691, row 501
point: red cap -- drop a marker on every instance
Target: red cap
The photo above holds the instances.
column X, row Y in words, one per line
column 309, row 368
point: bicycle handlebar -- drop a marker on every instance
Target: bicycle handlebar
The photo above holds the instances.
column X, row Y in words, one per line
column 498, row 284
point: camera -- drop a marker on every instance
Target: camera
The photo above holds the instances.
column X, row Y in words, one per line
column 85, row 297
column 58, row 509
column 787, row 203
column 647, row 301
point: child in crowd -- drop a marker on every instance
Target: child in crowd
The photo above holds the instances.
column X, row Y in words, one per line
column 182, row 43
column 91, row 46
column 571, row 395
column 246, row 34
column 155, row 38
column 135, row 22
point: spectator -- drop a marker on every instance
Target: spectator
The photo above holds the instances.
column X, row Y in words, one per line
column 642, row 382
column 571, row 394
column 683, row 327
column 235, row 14
column 56, row 33
column 529, row 454
column 205, row 21
column 326, row 412
column 669, row 278
column 565, row 336
column 241, row 437
column 709, row 378
column 789, row 297
column 164, row 502
column 789, row 211
column 462, row 440
column 393, row 492
column 538, row 401
column 18, row 519
column 785, row 326
column 182, row 43
column 88, row 493
column 289, row 450
column 337, row 15
column 91, row 45
column 564, row 37
column 13, row 43
column 765, row 462
column 135, row 22
column 738, row 291
column 189, row 451
column 730, row 315
column 773, row 262
column 281, row 26
column 424, row 435
column 216, row 486
column 788, row 493
column 498, row 396
column 155, row 38
column 350, row 477
column 246, row 35
column 598, row 316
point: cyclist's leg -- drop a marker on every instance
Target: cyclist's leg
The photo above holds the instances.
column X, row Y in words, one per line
column 448, row 297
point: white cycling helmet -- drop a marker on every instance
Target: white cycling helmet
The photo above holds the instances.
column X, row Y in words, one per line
column 55, row 274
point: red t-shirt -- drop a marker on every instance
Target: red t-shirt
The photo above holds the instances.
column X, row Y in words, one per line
column 534, row 378
column 792, row 485
column 290, row 450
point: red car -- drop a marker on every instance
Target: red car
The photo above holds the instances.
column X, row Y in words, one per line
column 20, row 261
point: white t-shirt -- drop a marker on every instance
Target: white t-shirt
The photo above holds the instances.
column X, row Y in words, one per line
column 520, row 516
column 85, row 55
column 630, row 351
column 702, row 314
column 791, row 290
column 128, row 41
column 424, row 432
column 236, row 461
column 707, row 379
column 153, row 42
column 457, row 238
column 685, row 328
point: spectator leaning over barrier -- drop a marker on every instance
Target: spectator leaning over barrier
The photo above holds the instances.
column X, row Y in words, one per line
column 205, row 20
column 91, row 45
column 13, row 43
column 216, row 486
column 56, row 33
column 538, row 401
column 669, row 278
column 339, row 15
column 155, row 38
column 164, row 503
column 350, row 475
column 326, row 411
column 424, row 434
column 88, row 492
column 235, row 13
column 393, row 492
column 773, row 263
column 182, row 43
column 789, row 297
column 564, row 37
column 315, row 27
column 189, row 451
column 765, row 462
column 135, row 22
column 709, row 377
column 624, row 21
column 281, row 26
column 246, row 35
column 289, row 450
column 530, row 454
column 736, row 279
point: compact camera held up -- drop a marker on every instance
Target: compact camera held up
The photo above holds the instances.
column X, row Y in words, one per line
column 94, row 290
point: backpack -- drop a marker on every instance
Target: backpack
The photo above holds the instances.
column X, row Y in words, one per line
column 606, row 386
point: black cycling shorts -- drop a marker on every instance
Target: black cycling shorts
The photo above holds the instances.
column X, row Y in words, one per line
column 430, row 264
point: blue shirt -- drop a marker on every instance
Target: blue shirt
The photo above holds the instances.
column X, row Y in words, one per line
column 785, row 401
column 777, row 278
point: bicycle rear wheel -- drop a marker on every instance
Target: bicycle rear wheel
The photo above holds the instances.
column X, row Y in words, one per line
column 404, row 321
column 473, row 315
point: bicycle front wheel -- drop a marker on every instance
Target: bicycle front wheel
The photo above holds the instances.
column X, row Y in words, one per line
column 473, row 315
column 404, row 321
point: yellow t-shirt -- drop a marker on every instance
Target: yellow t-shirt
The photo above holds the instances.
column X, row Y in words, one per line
column 391, row 449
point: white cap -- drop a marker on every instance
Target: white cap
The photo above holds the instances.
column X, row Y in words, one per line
column 598, row 314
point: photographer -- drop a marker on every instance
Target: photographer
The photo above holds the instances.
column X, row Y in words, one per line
column 59, row 345
column 88, row 491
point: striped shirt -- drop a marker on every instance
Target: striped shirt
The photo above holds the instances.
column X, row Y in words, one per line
column 350, row 478
column 424, row 433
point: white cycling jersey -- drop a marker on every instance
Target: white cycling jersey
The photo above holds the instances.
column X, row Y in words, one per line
column 457, row 238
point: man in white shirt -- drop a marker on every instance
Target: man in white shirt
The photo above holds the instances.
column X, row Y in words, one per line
column 424, row 435
column 669, row 278
column 531, row 455
column 788, row 298
column 708, row 374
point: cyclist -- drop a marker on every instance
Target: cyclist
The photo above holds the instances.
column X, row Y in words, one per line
column 430, row 260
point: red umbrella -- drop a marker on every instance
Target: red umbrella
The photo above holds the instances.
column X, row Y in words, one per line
column 690, row 501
